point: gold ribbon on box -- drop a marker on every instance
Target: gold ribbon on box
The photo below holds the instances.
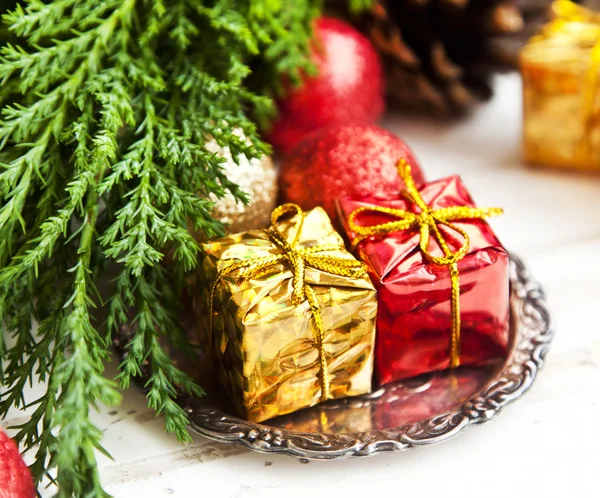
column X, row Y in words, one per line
column 575, row 23
column 297, row 259
column 428, row 221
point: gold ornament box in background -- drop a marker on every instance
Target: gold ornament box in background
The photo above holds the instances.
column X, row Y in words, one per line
column 561, row 107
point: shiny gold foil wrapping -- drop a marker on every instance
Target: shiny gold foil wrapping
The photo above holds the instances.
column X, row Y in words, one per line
column 561, row 101
column 265, row 347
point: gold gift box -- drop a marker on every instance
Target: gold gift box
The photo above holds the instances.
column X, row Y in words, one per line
column 561, row 102
column 266, row 347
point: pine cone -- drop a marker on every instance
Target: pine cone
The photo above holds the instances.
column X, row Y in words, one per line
column 439, row 54
column 535, row 14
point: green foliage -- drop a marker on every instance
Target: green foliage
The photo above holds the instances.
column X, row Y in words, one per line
column 360, row 5
column 106, row 109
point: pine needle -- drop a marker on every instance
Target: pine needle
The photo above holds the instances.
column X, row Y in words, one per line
column 106, row 108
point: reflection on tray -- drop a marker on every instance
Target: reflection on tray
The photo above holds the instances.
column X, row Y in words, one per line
column 394, row 405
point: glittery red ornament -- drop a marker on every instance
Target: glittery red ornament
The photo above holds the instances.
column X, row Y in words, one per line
column 348, row 88
column 344, row 161
column 15, row 478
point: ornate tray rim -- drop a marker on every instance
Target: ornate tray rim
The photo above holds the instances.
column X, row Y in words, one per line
column 511, row 382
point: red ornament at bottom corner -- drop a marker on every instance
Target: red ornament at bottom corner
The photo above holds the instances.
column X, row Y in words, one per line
column 344, row 161
column 15, row 477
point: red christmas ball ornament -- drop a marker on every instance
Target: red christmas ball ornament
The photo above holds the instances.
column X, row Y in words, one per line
column 344, row 161
column 15, row 478
column 348, row 89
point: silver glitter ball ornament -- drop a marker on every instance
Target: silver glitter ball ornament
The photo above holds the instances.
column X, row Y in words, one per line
column 258, row 179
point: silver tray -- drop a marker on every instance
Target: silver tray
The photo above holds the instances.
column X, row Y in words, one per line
column 424, row 410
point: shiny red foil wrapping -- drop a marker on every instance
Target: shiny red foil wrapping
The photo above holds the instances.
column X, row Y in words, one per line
column 414, row 316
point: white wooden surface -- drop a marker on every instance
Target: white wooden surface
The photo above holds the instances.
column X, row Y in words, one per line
column 547, row 442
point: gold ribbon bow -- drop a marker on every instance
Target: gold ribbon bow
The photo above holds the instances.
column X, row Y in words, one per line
column 427, row 222
column 575, row 22
column 297, row 259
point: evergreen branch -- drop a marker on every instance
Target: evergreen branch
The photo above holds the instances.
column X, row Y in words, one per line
column 106, row 111
column 76, row 380
column 360, row 5
column 165, row 381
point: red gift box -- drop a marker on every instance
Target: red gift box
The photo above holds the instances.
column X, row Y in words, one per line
column 415, row 317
